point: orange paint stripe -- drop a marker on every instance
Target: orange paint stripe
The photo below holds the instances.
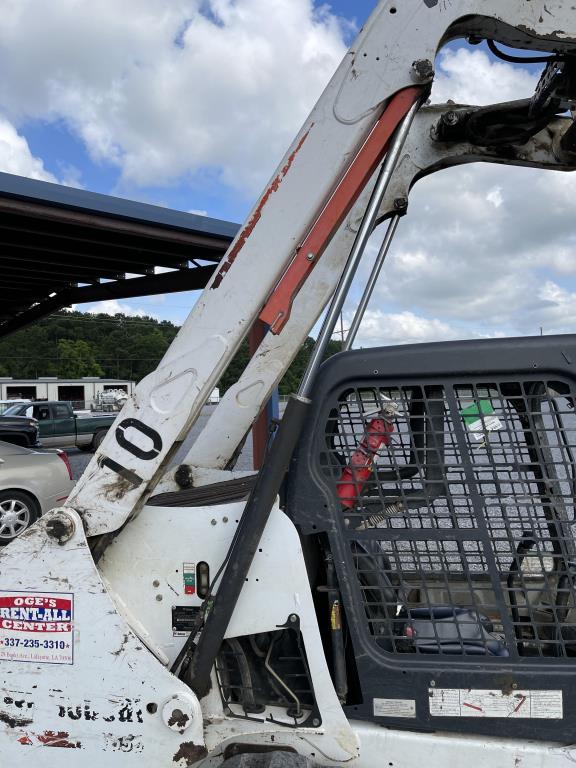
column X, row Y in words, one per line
column 277, row 309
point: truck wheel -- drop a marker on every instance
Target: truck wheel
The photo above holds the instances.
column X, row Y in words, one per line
column 17, row 512
column 97, row 440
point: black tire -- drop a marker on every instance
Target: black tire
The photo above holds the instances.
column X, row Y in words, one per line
column 86, row 448
column 18, row 511
column 97, row 439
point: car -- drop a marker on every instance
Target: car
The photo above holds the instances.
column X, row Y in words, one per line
column 31, row 483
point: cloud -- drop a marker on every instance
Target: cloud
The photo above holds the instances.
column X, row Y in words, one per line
column 162, row 88
column 380, row 328
column 16, row 157
column 471, row 77
column 115, row 307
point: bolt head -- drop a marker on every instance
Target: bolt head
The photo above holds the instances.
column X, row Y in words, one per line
column 450, row 117
column 179, row 712
column 60, row 527
column 400, row 204
column 422, row 70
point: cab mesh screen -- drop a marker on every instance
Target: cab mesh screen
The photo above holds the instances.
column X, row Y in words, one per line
column 457, row 504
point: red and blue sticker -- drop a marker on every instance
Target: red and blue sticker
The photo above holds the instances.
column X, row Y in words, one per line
column 37, row 627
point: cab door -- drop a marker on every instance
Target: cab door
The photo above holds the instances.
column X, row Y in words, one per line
column 42, row 413
column 64, row 424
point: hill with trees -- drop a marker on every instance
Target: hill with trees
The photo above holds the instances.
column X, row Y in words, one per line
column 75, row 344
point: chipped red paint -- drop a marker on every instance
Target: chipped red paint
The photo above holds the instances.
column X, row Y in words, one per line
column 25, row 740
column 254, row 219
column 57, row 739
column 276, row 312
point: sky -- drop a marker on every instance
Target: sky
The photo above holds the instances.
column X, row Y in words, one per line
column 190, row 104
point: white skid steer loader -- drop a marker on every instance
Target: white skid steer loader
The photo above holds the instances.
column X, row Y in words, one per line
column 396, row 586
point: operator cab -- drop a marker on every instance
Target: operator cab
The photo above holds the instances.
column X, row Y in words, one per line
column 439, row 481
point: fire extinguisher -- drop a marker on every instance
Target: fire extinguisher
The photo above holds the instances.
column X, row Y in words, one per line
column 354, row 475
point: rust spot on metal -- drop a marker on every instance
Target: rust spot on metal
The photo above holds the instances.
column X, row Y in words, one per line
column 190, row 753
column 58, row 739
column 179, row 719
column 255, row 218
column 14, row 722
column 26, row 740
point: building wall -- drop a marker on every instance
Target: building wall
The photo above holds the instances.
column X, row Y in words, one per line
column 80, row 391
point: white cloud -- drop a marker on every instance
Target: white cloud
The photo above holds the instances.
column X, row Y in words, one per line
column 162, row 88
column 16, row 157
column 472, row 77
column 114, row 307
column 380, row 328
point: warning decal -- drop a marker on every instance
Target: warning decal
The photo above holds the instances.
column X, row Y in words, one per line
column 394, row 707
column 465, row 702
column 37, row 627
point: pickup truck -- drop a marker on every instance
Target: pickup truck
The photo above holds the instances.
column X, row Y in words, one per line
column 60, row 427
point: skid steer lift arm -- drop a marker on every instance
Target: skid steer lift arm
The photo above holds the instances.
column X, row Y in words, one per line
column 124, row 666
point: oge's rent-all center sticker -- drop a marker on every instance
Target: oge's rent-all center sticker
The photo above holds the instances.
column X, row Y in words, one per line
column 37, row 627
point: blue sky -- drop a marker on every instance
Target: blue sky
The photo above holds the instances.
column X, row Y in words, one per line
column 190, row 104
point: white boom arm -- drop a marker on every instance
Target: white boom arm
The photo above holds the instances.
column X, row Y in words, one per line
column 394, row 51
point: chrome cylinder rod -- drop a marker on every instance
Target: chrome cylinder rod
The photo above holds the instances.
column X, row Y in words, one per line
column 358, row 247
column 372, row 280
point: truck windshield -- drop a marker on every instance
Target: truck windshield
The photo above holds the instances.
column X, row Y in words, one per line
column 17, row 410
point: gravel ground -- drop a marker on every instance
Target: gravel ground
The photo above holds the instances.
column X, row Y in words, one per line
column 79, row 460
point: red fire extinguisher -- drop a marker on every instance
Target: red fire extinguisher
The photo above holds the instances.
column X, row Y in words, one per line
column 353, row 477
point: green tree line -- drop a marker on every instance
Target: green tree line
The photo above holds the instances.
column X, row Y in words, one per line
column 74, row 344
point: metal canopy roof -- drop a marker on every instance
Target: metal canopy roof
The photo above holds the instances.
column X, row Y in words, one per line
column 62, row 246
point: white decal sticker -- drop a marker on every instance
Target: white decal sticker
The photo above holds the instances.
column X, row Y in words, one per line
column 37, row 627
column 394, row 708
column 479, row 427
column 463, row 702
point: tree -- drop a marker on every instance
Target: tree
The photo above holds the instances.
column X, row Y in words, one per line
column 75, row 344
column 76, row 359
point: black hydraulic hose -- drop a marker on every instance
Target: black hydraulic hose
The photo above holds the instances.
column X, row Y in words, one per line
column 336, row 631
column 544, row 59
column 248, row 535
column 525, row 545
